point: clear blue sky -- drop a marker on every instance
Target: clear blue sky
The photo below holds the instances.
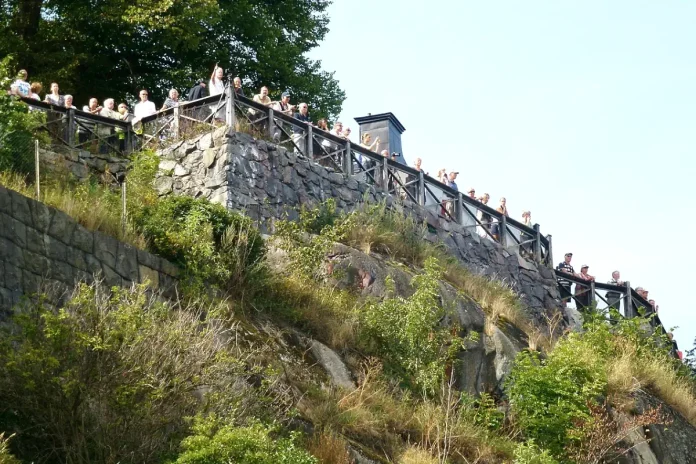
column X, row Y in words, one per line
column 583, row 112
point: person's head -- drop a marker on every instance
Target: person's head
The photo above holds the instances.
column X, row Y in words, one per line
column 645, row 294
column 384, row 153
column 54, row 88
column 584, row 268
column 36, row 87
column 22, row 74
column 321, row 124
column 143, row 95
column 526, row 214
column 285, row 98
column 453, row 175
column 93, row 103
column 237, row 82
column 568, row 257
column 174, row 94
column 418, row 162
column 122, row 108
column 366, row 137
column 346, row 131
column 219, row 72
column 68, row 100
column 616, row 275
column 109, row 103
column 394, row 155
column 264, row 91
column 652, row 302
column 338, row 127
column 304, row 109
column 471, row 192
column 484, row 199
column 503, row 201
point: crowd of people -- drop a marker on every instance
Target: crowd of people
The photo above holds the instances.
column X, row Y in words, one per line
column 488, row 226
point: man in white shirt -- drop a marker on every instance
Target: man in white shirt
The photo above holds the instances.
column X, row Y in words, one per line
column 145, row 107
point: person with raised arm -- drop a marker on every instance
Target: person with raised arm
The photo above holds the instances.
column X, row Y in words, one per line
column 216, row 86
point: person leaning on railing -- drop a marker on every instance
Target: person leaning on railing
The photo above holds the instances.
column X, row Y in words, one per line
column 583, row 293
column 20, row 86
column 366, row 162
column 35, row 90
column 298, row 135
column 483, row 217
column 106, row 132
column 283, row 106
column 614, row 298
column 237, row 86
column 126, row 116
column 564, row 285
column 497, row 229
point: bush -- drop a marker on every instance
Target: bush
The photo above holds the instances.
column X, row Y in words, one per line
column 213, row 443
column 408, row 334
column 529, row 453
column 212, row 245
column 106, row 378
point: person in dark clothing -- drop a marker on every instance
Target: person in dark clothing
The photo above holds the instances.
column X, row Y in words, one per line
column 197, row 92
column 564, row 286
column 614, row 298
column 298, row 134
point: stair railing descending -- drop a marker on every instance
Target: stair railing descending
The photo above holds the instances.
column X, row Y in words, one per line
column 388, row 176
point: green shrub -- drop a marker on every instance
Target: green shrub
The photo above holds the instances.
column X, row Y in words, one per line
column 549, row 397
column 213, row 443
column 529, row 453
column 107, row 378
column 408, row 334
column 213, row 246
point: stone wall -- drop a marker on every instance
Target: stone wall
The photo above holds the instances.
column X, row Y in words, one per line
column 43, row 248
column 83, row 164
column 269, row 182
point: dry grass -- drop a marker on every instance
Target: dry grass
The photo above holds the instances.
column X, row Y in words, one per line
column 96, row 206
column 329, row 448
column 628, row 373
column 399, row 427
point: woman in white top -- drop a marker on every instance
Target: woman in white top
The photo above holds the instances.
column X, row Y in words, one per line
column 216, row 86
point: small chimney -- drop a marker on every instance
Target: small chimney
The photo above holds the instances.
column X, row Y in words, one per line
column 387, row 128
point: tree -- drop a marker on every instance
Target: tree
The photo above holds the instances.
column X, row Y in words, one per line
column 112, row 48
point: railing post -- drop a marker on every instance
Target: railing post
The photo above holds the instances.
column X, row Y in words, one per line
column 459, row 209
column 348, row 160
column 421, row 188
column 310, row 143
column 129, row 139
column 36, row 168
column 537, row 244
column 271, row 124
column 549, row 252
column 592, row 292
column 628, row 302
column 124, row 214
column 385, row 175
column 503, row 230
column 71, row 128
column 229, row 107
column 176, row 123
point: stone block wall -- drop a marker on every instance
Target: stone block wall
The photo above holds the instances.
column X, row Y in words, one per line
column 83, row 164
column 268, row 182
column 43, row 248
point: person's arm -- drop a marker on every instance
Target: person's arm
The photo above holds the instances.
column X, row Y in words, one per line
column 212, row 76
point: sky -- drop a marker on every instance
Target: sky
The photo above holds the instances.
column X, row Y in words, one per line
column 581, row 111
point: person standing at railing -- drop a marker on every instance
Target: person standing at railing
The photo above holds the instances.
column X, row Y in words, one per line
column 198, row 91
column 497, row 229
column 583, row 293
column 126, row 116
column 85, row 128
column 337, row 129
column 145, row 107
column 35, row 90
column 216, row 86
column 53, row 119
column 237, row 86
column 172, row 100
column 299, row 138
column 20, row 86
column 484, row 218
column 614, row 298
column 472, row 193
column 283, row 106
column 55, row 98
column 346, row 133
column 68, row 102
column 367, row 163
column 106, row 132
column 565, row 285
column 527, row 248
column 449, row 204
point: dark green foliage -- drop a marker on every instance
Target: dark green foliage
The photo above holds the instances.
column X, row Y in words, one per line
column 17, row 127
column 107, row 378
column 213, row 245
column 114, row 48
column 215, row 443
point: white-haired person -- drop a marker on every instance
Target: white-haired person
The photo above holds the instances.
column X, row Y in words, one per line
column 108, row 141
column 172, row 100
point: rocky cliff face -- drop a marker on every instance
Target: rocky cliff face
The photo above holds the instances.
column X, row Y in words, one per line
column 269, row 182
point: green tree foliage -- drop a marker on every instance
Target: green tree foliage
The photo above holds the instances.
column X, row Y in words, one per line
column 113, row 48
column 409, row 335
column 214, row 443
column 213, row 245
column 107, row 378
column 17, row 126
